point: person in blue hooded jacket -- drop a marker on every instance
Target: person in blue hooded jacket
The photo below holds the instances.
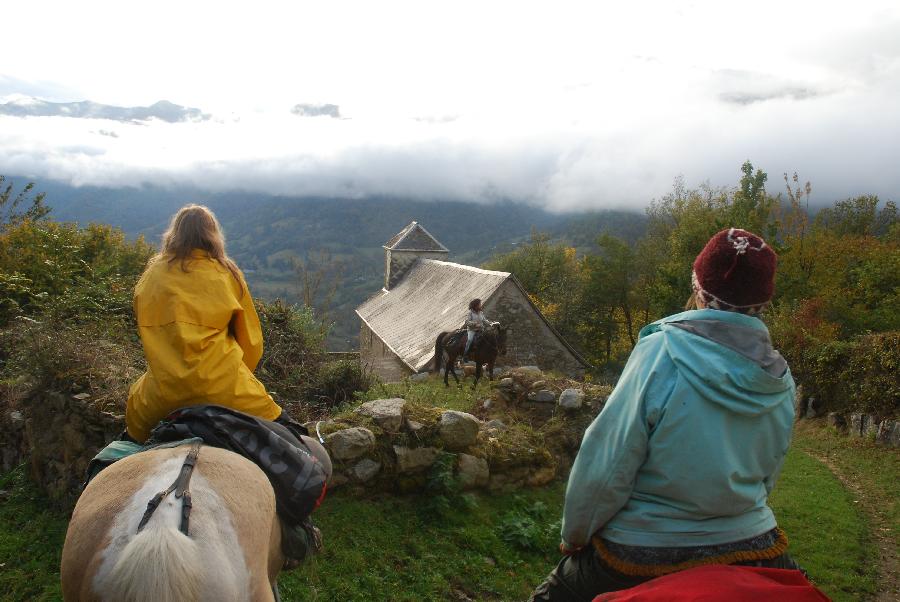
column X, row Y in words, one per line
column 676, row 470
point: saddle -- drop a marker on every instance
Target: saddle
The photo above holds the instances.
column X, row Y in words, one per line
column 454, row 337
column 296, row 474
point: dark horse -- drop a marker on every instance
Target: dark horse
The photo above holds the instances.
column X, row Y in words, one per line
column 485, row 349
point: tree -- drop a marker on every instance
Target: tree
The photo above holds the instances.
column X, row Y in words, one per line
column 858, row 216
column 25, row 205
column 552, row 276
column 609, row 291
column 318, row 275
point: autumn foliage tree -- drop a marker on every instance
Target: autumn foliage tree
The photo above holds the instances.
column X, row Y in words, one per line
column 837, row 290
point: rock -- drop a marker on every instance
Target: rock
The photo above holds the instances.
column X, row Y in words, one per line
column 571, row 399
column 495, row 424
column 542, row 396
column 506, row 383
column 487, row 404
column 870, row 426
column 337, row 480
column 414, row 459
column 387, row 413
column 473, row 471
column 458, row 430
column 420, row 377
column 81, row 396
column 888, row 433
column 856, row 424
column 506, row 395
column 350, row 443
column 538, row 385
column 813, row 408
column 529, row 369
column 512, row 479
column 541, row 476
column 413, row 426
column 364, row 470
column 16, row 419
column 838, row 421
column 539, row 407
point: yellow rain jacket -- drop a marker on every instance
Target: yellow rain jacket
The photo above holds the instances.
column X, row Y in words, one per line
column 202, row 341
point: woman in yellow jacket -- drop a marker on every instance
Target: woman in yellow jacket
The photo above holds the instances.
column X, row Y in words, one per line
column 200, row 331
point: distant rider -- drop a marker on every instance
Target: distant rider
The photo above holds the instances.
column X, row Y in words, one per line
column 475, row 324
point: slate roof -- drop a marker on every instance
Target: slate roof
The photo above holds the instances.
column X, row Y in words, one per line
column 414, row 237
column 430, row 299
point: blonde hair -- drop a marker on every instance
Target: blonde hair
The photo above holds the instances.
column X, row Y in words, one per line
column 196, row 227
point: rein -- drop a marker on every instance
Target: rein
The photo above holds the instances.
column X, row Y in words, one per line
column 180, row 487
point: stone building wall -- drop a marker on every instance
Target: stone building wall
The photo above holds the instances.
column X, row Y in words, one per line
column 530, row 341
column 376, row 357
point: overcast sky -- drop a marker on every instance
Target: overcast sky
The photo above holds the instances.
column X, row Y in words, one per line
column 566, row 105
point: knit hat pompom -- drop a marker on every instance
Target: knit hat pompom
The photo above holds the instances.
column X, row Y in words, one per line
column 736, row 269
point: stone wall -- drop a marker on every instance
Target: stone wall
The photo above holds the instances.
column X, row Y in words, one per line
column 883, row 432
column 57, row 435
column 398, row 263
column 376, row 357
column 530, row 341
column 526, row 434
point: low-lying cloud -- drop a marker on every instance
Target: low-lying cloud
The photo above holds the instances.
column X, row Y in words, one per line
column 593, row 148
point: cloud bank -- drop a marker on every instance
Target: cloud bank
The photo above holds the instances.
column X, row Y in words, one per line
column 566, row 110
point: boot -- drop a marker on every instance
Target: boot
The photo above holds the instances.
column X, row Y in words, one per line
column 298, row 542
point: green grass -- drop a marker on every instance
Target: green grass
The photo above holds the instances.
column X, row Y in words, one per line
column 828, row 534
column 432, row 392
column 31, row 537
column 490, row 547
column 394, row 548
column 874, row 468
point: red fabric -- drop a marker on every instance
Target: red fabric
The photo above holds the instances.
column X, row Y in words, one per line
column 720, row 582
column 738, row 267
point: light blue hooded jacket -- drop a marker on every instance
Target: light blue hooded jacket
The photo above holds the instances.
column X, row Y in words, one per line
column 691, row 441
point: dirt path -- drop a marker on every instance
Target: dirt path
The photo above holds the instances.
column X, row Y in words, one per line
column 888, row 561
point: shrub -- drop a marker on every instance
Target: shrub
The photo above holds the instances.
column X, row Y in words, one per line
column 530, row 527
column 858, row 375
column 336, row 383
column 295, row 365
column 99, row 358
column 293, row 348
column 71, row 272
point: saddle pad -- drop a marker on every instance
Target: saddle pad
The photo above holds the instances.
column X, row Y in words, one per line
column 722, row 582
column 118, row 449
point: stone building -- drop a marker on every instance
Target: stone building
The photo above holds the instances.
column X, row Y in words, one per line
column 425, row 295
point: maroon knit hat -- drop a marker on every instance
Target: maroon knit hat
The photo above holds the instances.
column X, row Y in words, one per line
column 735, row 270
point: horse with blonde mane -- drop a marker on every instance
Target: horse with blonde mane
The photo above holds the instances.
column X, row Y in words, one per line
column 232, row 549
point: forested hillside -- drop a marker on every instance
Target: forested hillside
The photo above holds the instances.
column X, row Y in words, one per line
column 335, row 243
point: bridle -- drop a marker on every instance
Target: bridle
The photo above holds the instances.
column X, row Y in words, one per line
column 180, row 487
